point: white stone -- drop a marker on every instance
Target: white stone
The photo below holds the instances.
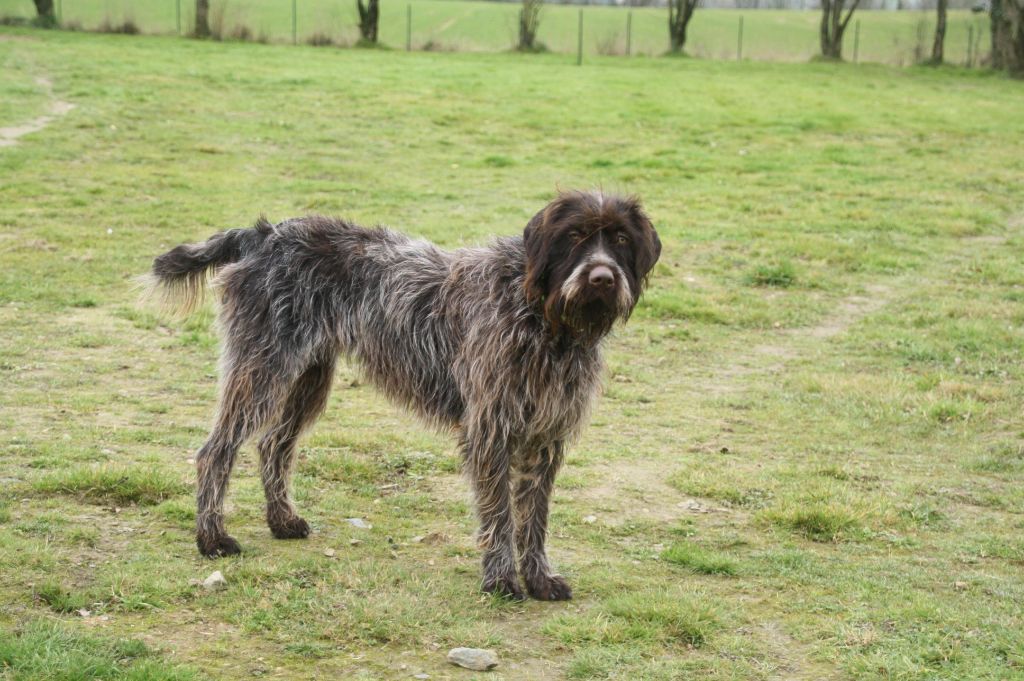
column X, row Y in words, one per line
column 215, row 582
column 477, row 659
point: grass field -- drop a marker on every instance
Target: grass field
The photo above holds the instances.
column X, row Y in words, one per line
column 807, row 462
column 899, row 38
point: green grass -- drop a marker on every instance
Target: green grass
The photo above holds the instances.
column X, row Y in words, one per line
column 124, row 485
column 699, row 560
column 899, row 38
column 807, row 459
column 781, row 275
column 43, row 650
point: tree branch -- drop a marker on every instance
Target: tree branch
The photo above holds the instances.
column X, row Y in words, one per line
column 849, row 14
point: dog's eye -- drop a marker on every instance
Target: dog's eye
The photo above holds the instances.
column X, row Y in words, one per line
column 576, row 235
column 621, row 239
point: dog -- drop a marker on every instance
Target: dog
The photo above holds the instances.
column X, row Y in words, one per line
column 500, row 345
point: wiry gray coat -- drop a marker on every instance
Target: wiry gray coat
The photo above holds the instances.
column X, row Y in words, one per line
column 500, row 345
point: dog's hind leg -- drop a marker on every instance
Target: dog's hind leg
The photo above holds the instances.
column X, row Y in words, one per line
column 250, row 393
column 304, row 404
column 534, row 480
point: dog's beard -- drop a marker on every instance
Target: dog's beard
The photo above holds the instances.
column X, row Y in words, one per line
column 590, row 319
column 590, row 312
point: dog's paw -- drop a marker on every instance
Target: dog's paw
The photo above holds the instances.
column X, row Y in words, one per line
column 218, row 546
column 549, row 588
column 504, row 587
column 291, row 528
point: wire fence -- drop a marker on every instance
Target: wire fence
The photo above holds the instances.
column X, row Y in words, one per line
column 891, row 37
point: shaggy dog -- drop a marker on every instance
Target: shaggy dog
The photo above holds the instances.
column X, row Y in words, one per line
column 500, row 345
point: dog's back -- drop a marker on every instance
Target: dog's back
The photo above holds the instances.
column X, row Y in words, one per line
column 312, row 287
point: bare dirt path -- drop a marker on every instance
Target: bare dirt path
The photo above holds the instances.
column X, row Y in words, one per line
column 57, row 108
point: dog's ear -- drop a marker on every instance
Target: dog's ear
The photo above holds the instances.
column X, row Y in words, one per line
column 535, row 241
column 538, row 237
column 648, row 249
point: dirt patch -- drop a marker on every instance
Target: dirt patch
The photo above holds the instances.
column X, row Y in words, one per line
column 849, row 311
column 789, row 345
column 9, row 136
column 787, row 650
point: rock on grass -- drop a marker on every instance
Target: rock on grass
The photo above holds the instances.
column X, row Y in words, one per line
column 215, row 582
column 473, row 658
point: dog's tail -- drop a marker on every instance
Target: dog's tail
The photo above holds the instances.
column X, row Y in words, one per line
column 179, row 276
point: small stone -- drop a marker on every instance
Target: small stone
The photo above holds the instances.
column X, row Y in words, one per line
column 421, row 676
column 215, row 582
column 590, row 519
column 360, row 523
column 354, row 542
column 417, row 539
column 960, row 586
column 473, row 658
column 434, row 538
column 329, row 553
column 84, row 613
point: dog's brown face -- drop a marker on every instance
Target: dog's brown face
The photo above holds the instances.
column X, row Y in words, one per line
column 587, row 260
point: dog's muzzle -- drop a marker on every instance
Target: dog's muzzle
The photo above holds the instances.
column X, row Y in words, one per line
column 598, row 280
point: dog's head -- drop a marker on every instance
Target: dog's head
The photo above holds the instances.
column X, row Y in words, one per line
column 588, row 256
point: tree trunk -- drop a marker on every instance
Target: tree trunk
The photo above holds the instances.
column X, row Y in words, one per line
column 369, row 15
column 833, row 25
column 202, row 29
column 1008, row 36
column 529, row 22
column 940, row 32
column 44, row 13
column 679, row 14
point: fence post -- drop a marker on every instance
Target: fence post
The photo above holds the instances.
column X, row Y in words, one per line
column 408, row 28
column 970, row 45
column 856, row 40
column 739, row 41
column 579, row 43
column 177, row 15
column 629, row 31
column 295, row 24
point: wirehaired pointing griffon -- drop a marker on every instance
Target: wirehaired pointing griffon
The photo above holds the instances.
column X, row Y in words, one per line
column 500, row 345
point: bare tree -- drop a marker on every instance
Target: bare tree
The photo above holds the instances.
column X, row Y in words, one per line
column 833, row 24
column 938, row 45
column 202, row 29
column 529, row 22
column 45, row 15
column 679, row 14
column 1008, row 36
column 369, row 17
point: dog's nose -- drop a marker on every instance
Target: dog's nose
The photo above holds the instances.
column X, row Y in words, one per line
column 602, row 277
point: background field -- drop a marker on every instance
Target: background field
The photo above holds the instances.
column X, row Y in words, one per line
column 808, row 459
column 899, row 38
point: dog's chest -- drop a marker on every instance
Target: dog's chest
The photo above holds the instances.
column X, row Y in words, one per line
column 560, row 394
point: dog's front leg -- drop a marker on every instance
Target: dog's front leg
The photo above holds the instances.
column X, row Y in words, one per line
column 535, row 478
column 488, row 461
